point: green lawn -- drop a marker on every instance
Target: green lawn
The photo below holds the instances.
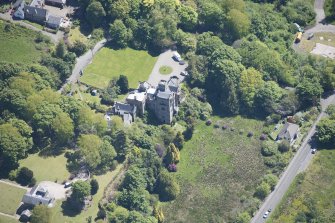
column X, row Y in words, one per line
column 316, row 186
column 4, row 219
column 218, row 170
column 17, row 45
column 49, row 168
column 107, row 63
column 103, row 180
column 10, row 198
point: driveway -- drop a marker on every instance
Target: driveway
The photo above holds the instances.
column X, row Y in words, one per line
column 320, row 25
column 56, row 190
column 82, row 62
column 298, row 164
column 165, row 59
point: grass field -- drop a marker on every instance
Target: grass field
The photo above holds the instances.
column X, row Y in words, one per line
column 10, row 198
column 4, row 219
column 75, row 34
column 18, row 45
column 108, row 63
column 315, row 186
column 49, row 168
column 103, row 180
column 217, row 172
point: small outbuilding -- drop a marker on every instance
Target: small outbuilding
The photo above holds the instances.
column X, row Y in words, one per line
column 54, row 22
column 56, row 3
column 25, row 215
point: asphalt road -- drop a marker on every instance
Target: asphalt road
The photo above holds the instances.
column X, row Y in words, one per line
column 82, row 62
column 320, row 25
column 298, row 164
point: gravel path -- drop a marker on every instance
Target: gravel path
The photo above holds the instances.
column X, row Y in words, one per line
column 165, row 59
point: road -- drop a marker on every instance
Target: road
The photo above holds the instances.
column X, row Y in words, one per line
column 82, row 62
column 54, row 37
column 298, row 164
column 320, row 24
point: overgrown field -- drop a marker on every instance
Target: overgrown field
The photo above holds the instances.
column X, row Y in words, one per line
column 108, row 63
column 17, row 44
column 312, row 195
column 52, row 168
column 4, row 219
column 218, row 171
column 10, row 198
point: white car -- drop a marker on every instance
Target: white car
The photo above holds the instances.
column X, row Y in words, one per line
column 177, row 56
column 313, row 151
column 266, row 214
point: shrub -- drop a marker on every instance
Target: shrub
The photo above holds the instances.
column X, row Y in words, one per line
column 241, row 131
column 25, row 176
column 167, row 187
column 263, row 137
column 179, row 140
column 41, row 214
column 12, row 175
column 172, row 167
column 160, row 150
column 284, row 146
column 225, row 127
column 271, row 179
column 269, row 148
column 250, row 134
column 262, row 190
column 78, row 47
column 208, row 122
column 94, row 186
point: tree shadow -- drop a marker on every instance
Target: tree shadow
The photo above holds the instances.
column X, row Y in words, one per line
column 69, row 210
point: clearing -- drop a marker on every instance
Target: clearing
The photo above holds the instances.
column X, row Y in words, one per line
column 17, row 44
column 48, row 168
column 10, row 198
column 218, row 171
column 109, row 63
column 58, row 215
column 323, row 38
column 312, row 190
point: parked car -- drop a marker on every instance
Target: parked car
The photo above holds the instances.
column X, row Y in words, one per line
column 310, row 36
column 184, row 73
column 176, row 56
column 313, row 151
column 266, row 214
column 181, row 62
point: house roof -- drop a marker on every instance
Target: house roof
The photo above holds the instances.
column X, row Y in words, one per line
column 138, row 96
column 57, row 1
column 31, row 10
column 164, row 94
column 288, row 131
column 17, row 3
column 151, row 90
column 55, row 20
column 123, row 107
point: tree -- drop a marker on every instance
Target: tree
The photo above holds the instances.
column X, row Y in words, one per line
column 271, row 179
column 80, row 190
column 134, row 178
column 94, row 186
column 63, row 128
column 60, row 49
column 186, row 42
column 135, row 199
column 167, row 187
column 179, row 140
column 40, row 214
column 13, row 145
column 24, row 176
column 95, row 13
column 188, row 17
column 269, row 148
column 238, row 24
column 107, row 154
column 78, row 47
column 207, row 43
column 89, row 150
column 121, row 142
column 326, row 131
column 262, row 190
column 172, row 154
column 284, row 146
column 309, row 91
column 251, row 80
column 120, row 34
column 158, row 214
column 122, row 82
column 267, row 97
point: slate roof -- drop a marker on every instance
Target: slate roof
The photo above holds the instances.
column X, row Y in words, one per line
column 56, row 1
column 289, row 131
column 164, row 94
column 31, row 10
column 54, row 20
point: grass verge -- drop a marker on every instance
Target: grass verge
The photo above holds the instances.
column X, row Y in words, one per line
column 108, row 63
column 10, row 198
column 312, row 194
column 165, row 70
column 4, row 219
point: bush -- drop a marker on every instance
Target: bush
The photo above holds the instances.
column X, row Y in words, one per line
column 12, row 175
column 250, row 134
column 225, row 127
column 262, row 190
column 284, row 146
column 167, row 187
column 94, row 186
column 263, row 137
column 78, row 47
column 41, row 214
column 172, row 167
column 269, row 148
column 25, row 176
column 160, row 150
column 208, row 122
column 271, row 179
